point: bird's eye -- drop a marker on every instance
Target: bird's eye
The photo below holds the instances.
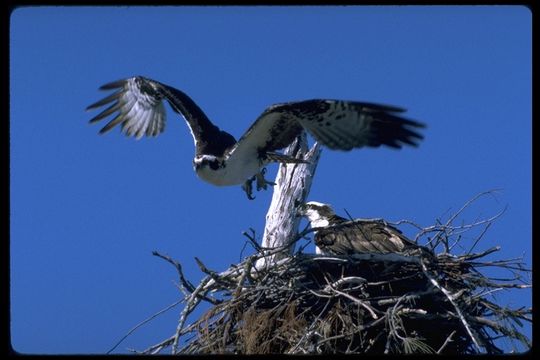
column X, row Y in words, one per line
column 214, row 164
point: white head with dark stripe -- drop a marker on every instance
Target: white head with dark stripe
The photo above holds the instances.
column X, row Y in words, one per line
column 318, row 214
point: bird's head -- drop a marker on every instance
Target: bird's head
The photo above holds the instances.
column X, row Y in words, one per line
column 317, row 213
column 207, row 161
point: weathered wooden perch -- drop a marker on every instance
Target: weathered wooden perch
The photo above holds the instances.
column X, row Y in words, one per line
column 293, row 183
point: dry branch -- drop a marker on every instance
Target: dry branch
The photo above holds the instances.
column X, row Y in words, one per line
column 293, row 183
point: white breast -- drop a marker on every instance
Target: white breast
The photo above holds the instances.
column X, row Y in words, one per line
column 234, row 172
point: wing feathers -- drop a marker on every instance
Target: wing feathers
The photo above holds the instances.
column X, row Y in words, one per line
column 105, row 101
column 335, row 137
column 118, row 119
column 339, row 125
column 365, row 236
column 379, row 107
column 139, row 106
column 344, row 125
column 114, row 107
column 391, row 130
column 114, row 85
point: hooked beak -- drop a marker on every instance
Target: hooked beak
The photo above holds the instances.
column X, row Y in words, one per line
column 301, row 210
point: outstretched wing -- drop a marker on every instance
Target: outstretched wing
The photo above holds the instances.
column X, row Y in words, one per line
column 139, row 106
column 140, row 111
column 344, row 125
column 273, row 130
column 339, row 125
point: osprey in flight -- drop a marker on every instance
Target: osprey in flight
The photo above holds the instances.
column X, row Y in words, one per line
column 339, row 236
column 221, row 160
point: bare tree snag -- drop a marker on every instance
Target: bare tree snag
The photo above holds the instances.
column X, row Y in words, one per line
column 293, row 183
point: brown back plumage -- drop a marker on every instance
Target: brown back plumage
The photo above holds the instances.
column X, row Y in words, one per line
column 362, row 236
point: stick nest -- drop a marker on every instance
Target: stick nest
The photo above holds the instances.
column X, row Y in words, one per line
column 364, row 303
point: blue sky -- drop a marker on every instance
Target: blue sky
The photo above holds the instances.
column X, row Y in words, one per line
column 87, row 210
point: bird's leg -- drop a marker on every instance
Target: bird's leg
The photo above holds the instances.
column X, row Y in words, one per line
column 261, row 181
column 248, row 188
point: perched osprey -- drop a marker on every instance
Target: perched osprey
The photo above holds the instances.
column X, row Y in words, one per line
column 339, row 236
column 221, row 160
